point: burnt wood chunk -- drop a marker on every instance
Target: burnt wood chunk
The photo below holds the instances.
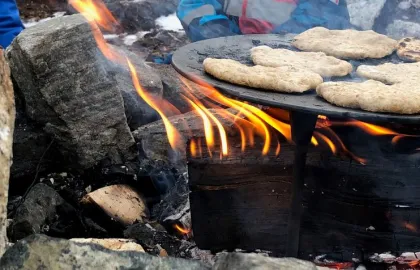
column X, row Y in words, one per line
column 241, row 201
column 349, row 209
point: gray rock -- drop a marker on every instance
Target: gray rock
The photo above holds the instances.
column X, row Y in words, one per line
column 240, row 261
column 32, row 151
column 67, row 89
column 400, row 29
column 173, row 87
column 137, row 15
column 43, row 210
column 364, row 12
column 138, row 112
column 42, row 252
column 7, row 123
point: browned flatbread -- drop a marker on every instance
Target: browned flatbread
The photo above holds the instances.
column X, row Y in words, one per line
column 391, row 73
column 318, row 62
column 373, row 96
column 345, row 44
column 408, row 49
column 282, row 79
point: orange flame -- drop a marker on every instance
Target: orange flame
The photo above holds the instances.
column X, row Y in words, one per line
column 330, row 144
column 96, row 10
column 193, row 148
column 181, row 229
column 173, row 135
column 278, row 149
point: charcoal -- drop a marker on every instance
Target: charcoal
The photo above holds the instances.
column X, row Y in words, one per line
column 42, row 252
column 66, row 88
column 7, row 119
column 44, row 210
column 152, row 240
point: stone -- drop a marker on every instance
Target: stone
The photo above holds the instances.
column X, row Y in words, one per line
column 112, row 243
column 173, row 87
column 137, row 15
column 7, row 123
column 120, row 202
column 67, row 89
column 33, row 149
column 240, row 261
column 43, row 210
column 42, row 252
column 363, row 13
column 400, row 29
column 137, row 111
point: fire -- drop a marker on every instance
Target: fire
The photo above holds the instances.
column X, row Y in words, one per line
column 248, row 119
column 193, row 148
column 182, row 229
column 173, row 135
column 330, row 144
column 97, row 11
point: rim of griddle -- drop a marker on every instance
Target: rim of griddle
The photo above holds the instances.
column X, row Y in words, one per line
column 186, row 61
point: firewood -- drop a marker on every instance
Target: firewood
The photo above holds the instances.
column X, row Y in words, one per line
column 120, row 202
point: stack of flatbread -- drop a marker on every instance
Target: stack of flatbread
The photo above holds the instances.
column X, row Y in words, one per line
column 391, row 88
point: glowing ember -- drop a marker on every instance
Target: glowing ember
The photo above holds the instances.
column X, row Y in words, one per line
column 410, row 227
column 193, row 148
column 181, row 229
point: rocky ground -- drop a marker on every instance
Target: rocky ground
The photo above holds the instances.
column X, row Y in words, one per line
column 73, row 182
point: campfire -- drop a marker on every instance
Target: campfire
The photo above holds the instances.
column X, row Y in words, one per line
column 145, row 157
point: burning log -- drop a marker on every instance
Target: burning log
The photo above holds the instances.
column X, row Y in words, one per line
column 350, row 209
column 67, row 89
column 7, row 120
column 242, row 200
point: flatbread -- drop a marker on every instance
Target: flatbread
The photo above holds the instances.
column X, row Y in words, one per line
column 390, row 73
column 408, row 49
column 318, row 62
column 282, row 79
column 345, row 44
column 372, row 96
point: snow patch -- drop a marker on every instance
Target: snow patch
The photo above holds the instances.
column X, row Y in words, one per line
column 32, row 22
column 170, row 23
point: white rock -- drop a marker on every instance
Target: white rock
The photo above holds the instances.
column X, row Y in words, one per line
column 400, row 29
column 404, row 5
column 364, row 12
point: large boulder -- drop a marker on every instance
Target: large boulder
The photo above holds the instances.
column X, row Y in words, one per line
column 7, row 122
column 42, row 252
column 66, row 88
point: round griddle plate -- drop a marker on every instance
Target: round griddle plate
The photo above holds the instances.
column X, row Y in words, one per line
column 188, row 61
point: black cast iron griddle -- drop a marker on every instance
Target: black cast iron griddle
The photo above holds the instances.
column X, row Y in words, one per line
column 188, row 61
